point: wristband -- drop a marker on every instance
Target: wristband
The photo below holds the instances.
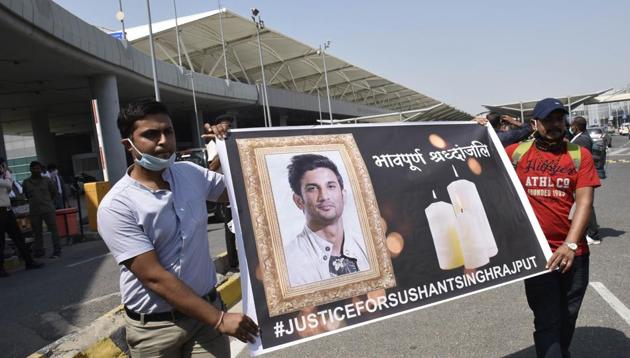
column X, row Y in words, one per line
column 216, row 326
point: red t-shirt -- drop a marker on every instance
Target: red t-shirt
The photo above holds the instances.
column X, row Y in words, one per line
column 550, row 181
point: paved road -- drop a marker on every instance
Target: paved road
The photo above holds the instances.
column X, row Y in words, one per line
column 38, row 307
column 620, row 150
column 498, row 323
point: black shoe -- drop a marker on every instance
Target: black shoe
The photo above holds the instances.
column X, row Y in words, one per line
column 3, row 273
column 34, row 265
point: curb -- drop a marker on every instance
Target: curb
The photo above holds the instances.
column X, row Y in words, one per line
column 77, row 344
column 12, row 263
column 105, row 337
column 230, row 290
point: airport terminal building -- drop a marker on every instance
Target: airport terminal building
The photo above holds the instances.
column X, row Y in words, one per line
column 59, row 64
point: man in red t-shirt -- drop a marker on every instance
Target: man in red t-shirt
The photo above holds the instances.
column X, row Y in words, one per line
column 554, row 183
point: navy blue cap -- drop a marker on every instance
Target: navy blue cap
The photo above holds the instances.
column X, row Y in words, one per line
column 544, row 107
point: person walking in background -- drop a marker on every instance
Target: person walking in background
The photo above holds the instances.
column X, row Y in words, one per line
column 581, row 138
column 41, row 193
column 579, row 135
column 60, row 199
column 8, row 223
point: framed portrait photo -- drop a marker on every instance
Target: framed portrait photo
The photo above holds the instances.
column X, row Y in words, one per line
column 317, row 228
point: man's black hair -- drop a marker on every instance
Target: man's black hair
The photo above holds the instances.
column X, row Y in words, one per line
column 52, row 166
column 35, row 163
column 223, row 118
column 494, row 118
column 580, row 123
column 302, row 163
column 136, row 111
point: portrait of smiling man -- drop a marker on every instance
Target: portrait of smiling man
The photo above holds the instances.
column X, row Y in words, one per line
column 325, row 248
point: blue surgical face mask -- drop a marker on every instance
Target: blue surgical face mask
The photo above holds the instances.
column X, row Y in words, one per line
column 150, row 162
column 571, row 131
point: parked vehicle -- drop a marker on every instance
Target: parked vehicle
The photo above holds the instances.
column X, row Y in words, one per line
column 624, row 129
column 599, row 134
column 194, row 155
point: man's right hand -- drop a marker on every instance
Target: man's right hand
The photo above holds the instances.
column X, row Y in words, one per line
column 511, row 120
column 215, row 131
column 481, row 120
column 239, row 326
column 214, row 164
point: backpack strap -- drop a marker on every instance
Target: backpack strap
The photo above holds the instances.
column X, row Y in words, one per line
column 576, row 154
column 520, row 151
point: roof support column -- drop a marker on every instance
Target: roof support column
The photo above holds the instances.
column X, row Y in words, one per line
column 44, row 140
column 196, row 123
column 234, row 114
column 105, row 89
column 3, row 148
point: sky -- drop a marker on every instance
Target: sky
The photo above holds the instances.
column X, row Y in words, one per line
column 465, row 53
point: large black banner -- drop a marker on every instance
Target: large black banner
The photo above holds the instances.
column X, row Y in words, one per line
column 341, row 225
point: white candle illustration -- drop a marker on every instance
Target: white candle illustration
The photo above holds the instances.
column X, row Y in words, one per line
column 477, row 241
column 443, row 226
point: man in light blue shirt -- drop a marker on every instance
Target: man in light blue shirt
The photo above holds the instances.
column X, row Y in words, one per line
column 153, row 221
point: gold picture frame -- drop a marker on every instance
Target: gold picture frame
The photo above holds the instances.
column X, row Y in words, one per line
column 281, row 298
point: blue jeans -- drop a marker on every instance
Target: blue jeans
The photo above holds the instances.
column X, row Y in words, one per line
column 555, row 299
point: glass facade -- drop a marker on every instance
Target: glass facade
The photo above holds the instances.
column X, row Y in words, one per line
column 20, row 153
column 20, row 167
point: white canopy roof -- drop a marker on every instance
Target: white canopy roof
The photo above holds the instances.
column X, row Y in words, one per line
column 526, row 108
column 288, row 63
column 415, row 115
column 612, row 96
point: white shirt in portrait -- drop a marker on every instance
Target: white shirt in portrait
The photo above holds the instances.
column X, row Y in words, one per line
column 308, row 256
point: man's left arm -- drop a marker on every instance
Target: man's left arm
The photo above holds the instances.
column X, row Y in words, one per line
column 563, row 257
column 587, row 181
column 514, row 135
column 26, row 189
column 511, row 120
column 52, row 188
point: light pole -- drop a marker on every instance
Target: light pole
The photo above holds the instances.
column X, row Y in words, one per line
column 155, row 79
column 259, row 26
column 227, row 77
column 179, row 51
column 322, row 51
column 319, row 107
column 188, row 73
column 120, row 16
column 194, row 96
